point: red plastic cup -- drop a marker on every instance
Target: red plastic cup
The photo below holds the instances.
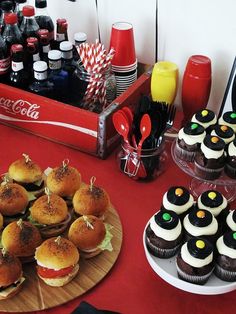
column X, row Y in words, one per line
column 122, row 40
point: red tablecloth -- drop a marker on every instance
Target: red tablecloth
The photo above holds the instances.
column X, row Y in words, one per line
column 131, row 287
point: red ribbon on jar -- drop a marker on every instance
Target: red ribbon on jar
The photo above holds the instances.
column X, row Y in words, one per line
column 196, row 85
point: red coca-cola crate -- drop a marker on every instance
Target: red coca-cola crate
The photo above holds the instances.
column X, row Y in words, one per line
column 78, row 128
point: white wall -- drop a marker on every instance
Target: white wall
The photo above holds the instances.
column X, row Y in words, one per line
column 185, row 27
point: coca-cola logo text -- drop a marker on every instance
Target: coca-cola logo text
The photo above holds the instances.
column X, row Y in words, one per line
column 22, row 107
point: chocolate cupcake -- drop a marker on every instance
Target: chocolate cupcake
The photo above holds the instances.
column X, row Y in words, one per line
column 225, row 267
column 164, row 234
column 217, row 204
column 209, row 162
column 229, row 118
column 206, row 118
column 189, row 139
column 201, row 223
column 195, row 261
column 179, row 200
column 230, row 164
column 231, row 220
column 225, row 132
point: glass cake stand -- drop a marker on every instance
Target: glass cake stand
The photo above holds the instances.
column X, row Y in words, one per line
column 223, row 184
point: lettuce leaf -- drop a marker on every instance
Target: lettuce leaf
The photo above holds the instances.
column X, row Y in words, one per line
column 31, row 196
column 35, row 223
column 106, row 243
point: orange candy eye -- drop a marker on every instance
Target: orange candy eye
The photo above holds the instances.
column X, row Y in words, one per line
column 179, row 192
column 224, row 128
column 200, row 214
column 214, row 139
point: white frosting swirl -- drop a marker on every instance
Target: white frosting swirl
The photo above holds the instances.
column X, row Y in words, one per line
column 191, row 139
column 179, row 209
column 199, row 231
column 210, row 153
column 206, row 124
column 226, row 140
column 214, row 210
column 223, row 249
column 222, row 121
column 232, row 149
column 166, row 234
column 194, row 261
column 230, row 222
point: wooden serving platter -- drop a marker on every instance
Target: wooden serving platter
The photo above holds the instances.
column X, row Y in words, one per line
column 36, row 295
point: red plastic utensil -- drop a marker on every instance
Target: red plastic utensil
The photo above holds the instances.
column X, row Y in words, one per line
column 121, row 125
column 145, row 129
column 130, row 116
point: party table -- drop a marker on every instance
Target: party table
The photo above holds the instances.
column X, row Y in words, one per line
column 131, row 287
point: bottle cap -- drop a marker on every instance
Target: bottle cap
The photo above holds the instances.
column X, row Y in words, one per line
column 61, row 21
column 40, row 4
column 16, row 48
column 6, row 5
column 66, row 46
column 80, row 37
column 28, row 10
column 54, row 55
column 32, row 40
column 20, row 1
column 40, row 66
column 10, row 18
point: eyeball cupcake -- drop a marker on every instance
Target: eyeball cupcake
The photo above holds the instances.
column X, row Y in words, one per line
column 201, row 223
column 179, row 200
column 225, row 267
column 225, row 132
column 209, row 162
column 229, row 118
column 231, row 220
column 164, row 234
column 195, row 261
column 206, row 118
column 189, row 139
column 230, row 165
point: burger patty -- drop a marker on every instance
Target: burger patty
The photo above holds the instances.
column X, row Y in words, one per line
column 14, row 285
column 31, row 187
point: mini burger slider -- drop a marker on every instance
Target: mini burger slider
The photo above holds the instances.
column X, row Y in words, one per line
column 21, row 239
column 50, row 214
column 14, row 201
column 90, row 235
column 57, row 260
column 11, row 276
column 28, row 174
column 91, row 200
column 64, row 181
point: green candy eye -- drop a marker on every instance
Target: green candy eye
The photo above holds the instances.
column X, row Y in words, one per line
column 233, row 115
column 166, row 217
column 194, row 126
column 234, row 235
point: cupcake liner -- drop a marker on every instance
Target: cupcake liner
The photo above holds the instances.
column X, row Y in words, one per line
column 198, row 280
column 184, row 154
column 161, row 253
column 224, row 274
column 230, row 171
column 207, row 173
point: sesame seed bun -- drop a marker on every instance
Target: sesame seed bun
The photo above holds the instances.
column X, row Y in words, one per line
column 91, row 201
column 64, row 181
column 21, row 238
column 23, row 171
column 57, row 253
column 13, row 199
column 87, row 232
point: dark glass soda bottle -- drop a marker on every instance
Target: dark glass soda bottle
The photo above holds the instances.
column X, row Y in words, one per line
column 5, row 61
column 61, row 33
column 32, row 54
column 58, row 76
column 41, row 86
column 79, row 38
column 12, row 34
column 18, row 77
column 44, row 44
column 18, row 9
column 6, row 8
column 29, row 27
column 43, row 19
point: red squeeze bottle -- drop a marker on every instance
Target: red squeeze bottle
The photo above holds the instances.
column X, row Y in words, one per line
column 196, row 85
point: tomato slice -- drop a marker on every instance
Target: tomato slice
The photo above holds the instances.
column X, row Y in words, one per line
column 52, row 273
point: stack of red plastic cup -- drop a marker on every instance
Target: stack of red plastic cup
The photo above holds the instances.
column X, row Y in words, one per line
column 124, row 62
